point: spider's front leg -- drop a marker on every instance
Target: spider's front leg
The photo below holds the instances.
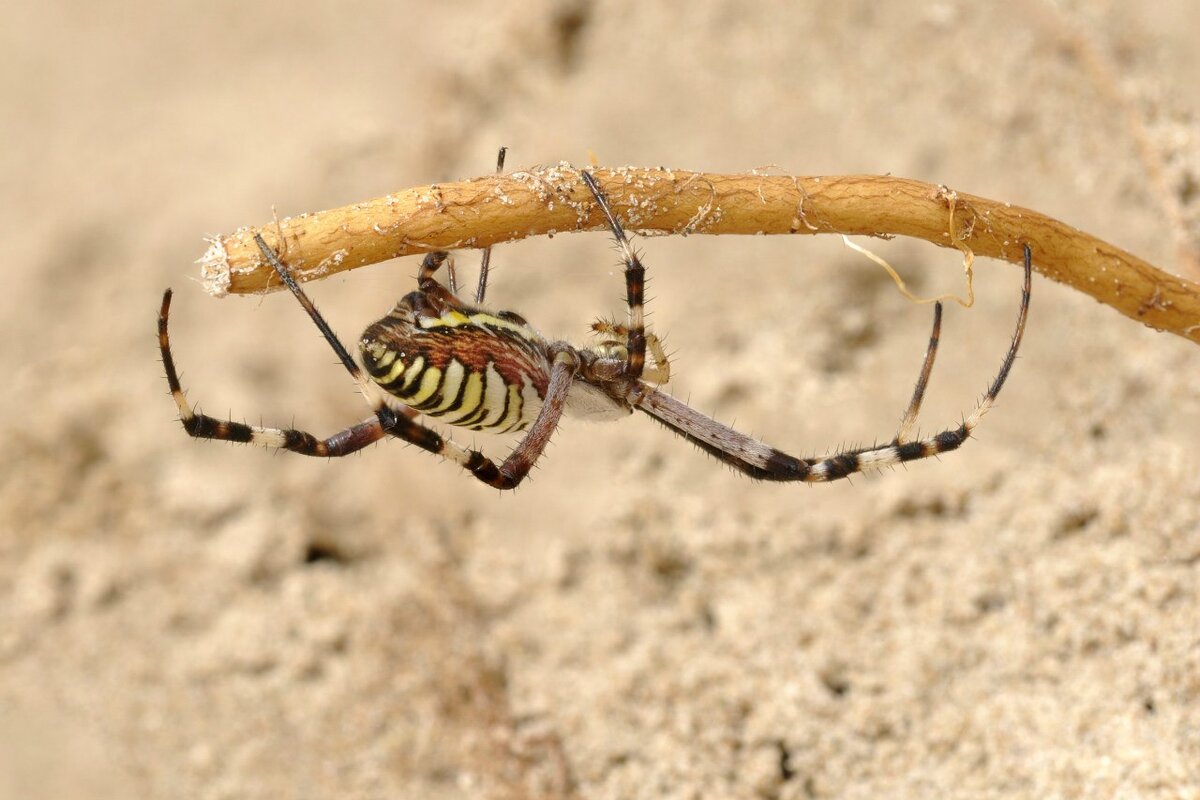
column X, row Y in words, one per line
column 759, row 460
column 434, row 260
column 635, row 286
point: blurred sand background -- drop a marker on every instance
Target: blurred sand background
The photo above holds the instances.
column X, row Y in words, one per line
column 187, row 619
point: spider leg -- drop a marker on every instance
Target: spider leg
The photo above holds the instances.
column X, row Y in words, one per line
column 485, row 262
column 909, row 420
column 433, row 261
column 764, row 462
column 429, row 265
column 387, row 421
column 635, row 285
column 508, row 475
column 203, row 426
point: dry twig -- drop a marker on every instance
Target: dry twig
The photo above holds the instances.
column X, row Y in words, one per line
column 547, row 200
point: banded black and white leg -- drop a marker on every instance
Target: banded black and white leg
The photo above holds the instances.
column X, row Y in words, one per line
column 386, row 421
column 635, row 286
column 484, row 262
column 764, row 462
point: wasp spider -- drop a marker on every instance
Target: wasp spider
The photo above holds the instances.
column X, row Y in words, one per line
column 492, row 371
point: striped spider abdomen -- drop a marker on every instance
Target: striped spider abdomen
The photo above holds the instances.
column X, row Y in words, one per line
column 467, row 366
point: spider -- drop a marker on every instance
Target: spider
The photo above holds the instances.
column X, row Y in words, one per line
column 491, row 371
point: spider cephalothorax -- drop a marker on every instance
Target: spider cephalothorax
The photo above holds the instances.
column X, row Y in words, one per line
column 488, row 370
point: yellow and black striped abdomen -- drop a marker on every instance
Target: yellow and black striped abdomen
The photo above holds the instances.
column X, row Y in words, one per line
column 475, row 370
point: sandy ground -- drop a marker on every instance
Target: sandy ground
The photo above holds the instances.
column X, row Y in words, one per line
column 187, row 619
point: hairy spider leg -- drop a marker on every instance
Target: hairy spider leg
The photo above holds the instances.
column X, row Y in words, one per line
column 635, row 285
column 759, row 460
column 909, row 420
column 387, row 421
column 485, row 261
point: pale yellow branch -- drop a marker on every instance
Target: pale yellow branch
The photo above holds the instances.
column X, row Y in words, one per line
column 547, row 200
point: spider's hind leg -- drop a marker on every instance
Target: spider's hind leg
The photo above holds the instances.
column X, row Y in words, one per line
column 202, row 426
column 486, row 261
column 387, row 422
